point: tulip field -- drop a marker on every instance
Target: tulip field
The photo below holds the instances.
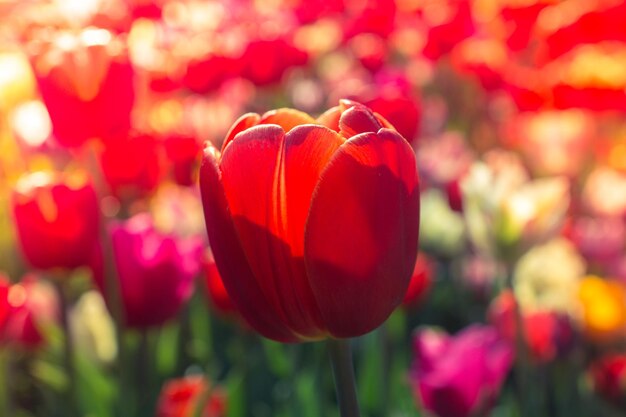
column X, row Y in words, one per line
column 337, row 208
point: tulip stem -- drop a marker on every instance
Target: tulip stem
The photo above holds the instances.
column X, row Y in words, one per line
column 68, row 344
column 343, row 372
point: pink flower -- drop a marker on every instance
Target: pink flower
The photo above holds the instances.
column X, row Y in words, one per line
column 155, row 271
column 459, row 376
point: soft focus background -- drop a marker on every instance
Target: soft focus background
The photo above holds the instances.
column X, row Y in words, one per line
column 111, row 305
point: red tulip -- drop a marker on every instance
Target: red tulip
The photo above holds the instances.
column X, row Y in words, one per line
column 313, row 223
column 546, row 333
column 87, row 87
column 609, row 377
column 265, row 61
column 57, row 219
column 182, row 397
column 131, row 165
column 402, row 110
column 23, row 307
column 443, row 36
column 183, row 154
column 207, row 74
column 593, row 27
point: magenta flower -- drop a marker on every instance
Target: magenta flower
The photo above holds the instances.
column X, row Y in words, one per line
column 459, row 376
column 156, row 271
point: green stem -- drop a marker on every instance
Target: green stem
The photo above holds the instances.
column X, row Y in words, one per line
column 343, row 371
column 5, row 391
column 68, row 345
column 522, row 356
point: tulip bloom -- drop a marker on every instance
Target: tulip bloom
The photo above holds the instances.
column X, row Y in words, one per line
column 87, row 86
column 313, row 223
column 546, row 333
column 131, row 165
column 23, row 308
column 608, row 374
column 181, row 398
column 459, row 376
column 155, row 271
column 57, row 219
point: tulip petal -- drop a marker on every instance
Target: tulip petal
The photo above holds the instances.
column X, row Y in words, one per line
column 230, row 258
column 384, row 122
column 330, row 118
column 358, row 119
column 361, row 233
column 260, row 212
column 244, row 122
column 286, row 118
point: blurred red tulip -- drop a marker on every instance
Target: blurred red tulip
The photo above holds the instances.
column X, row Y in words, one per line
column 23, row 308
column 183, row 153
column 421, row 281
column 546, row 333
column 207, row 74
column 448, row 25
column 309, row 11
column 87, row 86
column 313, row 223
column 131, row 165
column 402, row 111
column 522, row 17
column 601, row 24
column 265, row 61
column 608, row 374
column 155, row 272
column 57, row 219
column 183, row 397
column 596, row 98
column 377, row 17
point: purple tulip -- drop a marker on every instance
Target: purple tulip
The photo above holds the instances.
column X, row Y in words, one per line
column 459, row 376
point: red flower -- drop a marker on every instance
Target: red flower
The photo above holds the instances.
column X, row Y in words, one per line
column 546, row 333
column 182, row 397
column 402, row 110
column 313, row 223
column 443, row 36
column 23, row 307
column 207, row 74
column 265, row 61
column 57, row 219
column 183, row 153
column 609, row 377
column 87, row 88
column 131, row 165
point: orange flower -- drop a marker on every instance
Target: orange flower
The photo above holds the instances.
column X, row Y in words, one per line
column 604, row 307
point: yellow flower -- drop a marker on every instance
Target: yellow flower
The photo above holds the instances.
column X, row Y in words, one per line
column 603, row 307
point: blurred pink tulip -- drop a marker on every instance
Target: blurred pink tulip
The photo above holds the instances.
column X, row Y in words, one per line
column 461, row 375
column 156, row 271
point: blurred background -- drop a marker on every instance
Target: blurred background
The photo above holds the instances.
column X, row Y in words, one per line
column 111, row 304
